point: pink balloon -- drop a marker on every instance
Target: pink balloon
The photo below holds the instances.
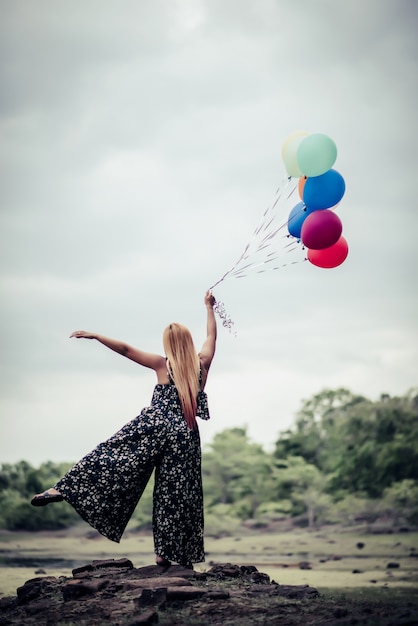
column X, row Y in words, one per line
column 321, row 229
column 330, row 257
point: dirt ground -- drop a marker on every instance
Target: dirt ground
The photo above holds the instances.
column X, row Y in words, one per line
column 114, row 593
column 326, row 577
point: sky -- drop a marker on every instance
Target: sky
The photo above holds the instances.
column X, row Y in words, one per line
column 140, row 144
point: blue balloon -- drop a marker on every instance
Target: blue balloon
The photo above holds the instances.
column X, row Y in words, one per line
column 297, row 216
column 324, row 191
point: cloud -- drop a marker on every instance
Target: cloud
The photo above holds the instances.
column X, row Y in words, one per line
column 140, row 147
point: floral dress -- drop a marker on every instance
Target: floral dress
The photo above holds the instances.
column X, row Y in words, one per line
column 106, row 485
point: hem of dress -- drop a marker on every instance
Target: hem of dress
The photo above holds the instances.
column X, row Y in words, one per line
column 181, row 562
column 84, row 518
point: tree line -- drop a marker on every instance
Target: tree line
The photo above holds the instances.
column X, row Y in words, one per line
column 346, row 459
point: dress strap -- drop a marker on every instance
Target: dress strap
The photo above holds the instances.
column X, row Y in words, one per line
column 169, row 372
column 170, row 375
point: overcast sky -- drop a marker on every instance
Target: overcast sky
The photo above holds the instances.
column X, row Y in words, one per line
column 140, row 145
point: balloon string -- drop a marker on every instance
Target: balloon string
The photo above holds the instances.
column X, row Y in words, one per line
column 226, row 320
column 262, row 239
column 265, row 223
column 219, row 306
column 237, row 271
column 240, row 273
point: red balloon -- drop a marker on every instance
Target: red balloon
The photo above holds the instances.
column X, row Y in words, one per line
column 329, row 257
column 321, row 229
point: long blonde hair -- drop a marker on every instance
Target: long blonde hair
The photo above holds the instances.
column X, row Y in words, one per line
column 183, row 367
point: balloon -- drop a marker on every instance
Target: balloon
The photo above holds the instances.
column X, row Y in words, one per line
column 330, row 257
column 297, row 134
column 296, row 218
column 325, row 191
column 316, row 154
column 301, row 186
column 289, row 150
column 321, row 229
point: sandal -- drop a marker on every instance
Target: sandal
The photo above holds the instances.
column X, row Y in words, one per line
column 45, row 498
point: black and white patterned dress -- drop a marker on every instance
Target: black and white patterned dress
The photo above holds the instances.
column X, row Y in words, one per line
column 106, row 485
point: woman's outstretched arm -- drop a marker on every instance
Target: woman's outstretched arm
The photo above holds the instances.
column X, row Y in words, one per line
column 147, row 359
column 208, row 349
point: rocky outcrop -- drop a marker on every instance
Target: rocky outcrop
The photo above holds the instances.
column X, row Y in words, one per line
column 114, row 592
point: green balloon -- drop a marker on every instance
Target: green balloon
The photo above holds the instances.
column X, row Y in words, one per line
column 316, row 154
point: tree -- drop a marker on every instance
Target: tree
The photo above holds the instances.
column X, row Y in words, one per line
column 237, row 472
column 378, row 444
column 362, row 446
column 18, row 483
column 345, row 448
column 401, row 500
column 303, row 484
column 316, row 426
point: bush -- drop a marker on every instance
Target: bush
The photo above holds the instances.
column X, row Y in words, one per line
column 220, row 522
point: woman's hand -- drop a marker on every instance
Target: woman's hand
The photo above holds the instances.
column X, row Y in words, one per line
column 83, row 334
column 209, row 299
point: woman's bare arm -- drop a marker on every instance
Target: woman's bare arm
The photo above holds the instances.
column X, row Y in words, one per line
column 147, row 359
column 208, row 349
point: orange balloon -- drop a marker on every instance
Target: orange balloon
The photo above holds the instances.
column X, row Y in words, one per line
column 301, row 185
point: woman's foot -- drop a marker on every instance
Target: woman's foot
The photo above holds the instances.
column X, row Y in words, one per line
column 51, row 495
column 162, row 562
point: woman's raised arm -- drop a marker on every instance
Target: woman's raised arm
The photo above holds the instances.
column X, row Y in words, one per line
column 208, row 349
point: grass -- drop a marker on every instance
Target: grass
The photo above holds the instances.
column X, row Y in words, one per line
column 375, row 607
column 332, row 555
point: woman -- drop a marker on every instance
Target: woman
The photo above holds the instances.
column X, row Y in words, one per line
column 105, row 486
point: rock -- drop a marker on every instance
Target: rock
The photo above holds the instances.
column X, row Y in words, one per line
column 34, row 588
column 155, row 571
column 392, row 565
column 105, row 564
column 75, row 589
column 360, row 545
column 152, row 597
column 286, row 591
column 38, row 606
column 226, row 570
column 268, row 589
column 115, row 593
column 259, row 578
column 185, row 593
column 7, row 603
column 151, row 617
column 156, row 583
column 248, row 569
column 217, row 595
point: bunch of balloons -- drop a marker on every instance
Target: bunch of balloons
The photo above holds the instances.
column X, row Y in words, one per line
column 310, row 158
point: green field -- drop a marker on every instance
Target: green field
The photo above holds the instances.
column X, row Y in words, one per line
column 333, row 556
